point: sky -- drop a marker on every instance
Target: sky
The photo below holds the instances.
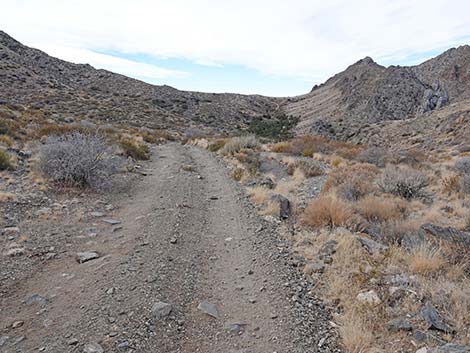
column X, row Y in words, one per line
column 269, row 47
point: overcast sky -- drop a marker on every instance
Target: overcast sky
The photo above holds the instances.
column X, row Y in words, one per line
column 248, row 46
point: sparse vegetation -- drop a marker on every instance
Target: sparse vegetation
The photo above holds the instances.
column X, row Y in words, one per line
column 78, row 160
column 274, row 128
column 373, row 155
column 377, row 209
column 327, row 211
column 5, row 161
column 309, row 167
column 404, row 181
column 135, row 149
column 236, row 144
column 6, row 140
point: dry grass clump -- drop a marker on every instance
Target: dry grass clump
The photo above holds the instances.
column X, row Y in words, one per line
column 5, row 161
column 425, row 260
column 135, row 149
column 327, row 211
column 307, row 146
column 9, row 127
column 356, row 333
column 376, row 209
column 216, row 145
column 6, row 140
column 61, row 129
column 281, row 147
column 451, row 184
column 238, row 174
column 238, row 143
column 6, row 196
column 404, row 182
column 352, row 182
column 258, row 194
column 156, row 136
column 309, row 167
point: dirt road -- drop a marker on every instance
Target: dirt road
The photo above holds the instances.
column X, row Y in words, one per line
column 188, row 235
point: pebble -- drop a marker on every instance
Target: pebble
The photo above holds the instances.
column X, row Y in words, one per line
column 209, row 309
column 82, row 257
column 93, row 348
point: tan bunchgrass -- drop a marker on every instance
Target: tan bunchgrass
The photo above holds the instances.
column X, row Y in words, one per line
column 327, row 211
column 7, row 196
column 258, row 194
column 377, row 209
column 425, row 259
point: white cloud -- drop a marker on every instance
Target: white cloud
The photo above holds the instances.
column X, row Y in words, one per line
column 308, row 39
column 112, row 63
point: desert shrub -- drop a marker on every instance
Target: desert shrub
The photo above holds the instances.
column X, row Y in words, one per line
column 404, row 182
column 5, row 161
column 135, row 149
column 309, row 167
column 463, row 165
column 412, row 157
column 238, row 174
column 236, row 144
column 376, row 209
column 156, row 136
column 275, row 128
column 327, row 211
column 352, row 182
column 250, row 159
column 6, row 140
column 8, row 127
column 78, row 159
column 373, row 155
column 465, row 183
column 216, row 145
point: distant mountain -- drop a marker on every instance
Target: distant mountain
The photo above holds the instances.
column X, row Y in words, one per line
column 426, row 105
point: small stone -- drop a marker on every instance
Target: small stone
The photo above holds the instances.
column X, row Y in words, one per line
column 209, row 309
column 372, row 246
column 113, row 334
column 97, row 214
column 314, row 267
column 173, row 240
column 36, row 299
column 422, row 350
column 17, row 324
column 113, row 222
column 82, row 257
column 15, row 252
column 433, row 319
column 72, row 342
column 370, row 297
column 3, row 340
column 11, row 231
column 234, row 327
column 161, row 310
column 123, row 345
column 399, row 324
column 93, row 348
column 111, row 290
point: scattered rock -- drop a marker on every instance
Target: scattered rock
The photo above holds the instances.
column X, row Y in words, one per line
column 36, row 299
column 446, row 233
column 369, row 297
column 113, row 222
column 433, row 319
column 173, row 240
column 11, row 231
column 161, row 310
column 234, row 327
column 452, row 348
column 209, row 309
column 97, row 214
column 314, row 267
column 372, row 246
column 400, row 324
column 93, row 348
column 3, row 340
column 72, row 342
column 82, row 257
column 17, row 324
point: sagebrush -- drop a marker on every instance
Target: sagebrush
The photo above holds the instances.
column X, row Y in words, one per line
column 78, row 159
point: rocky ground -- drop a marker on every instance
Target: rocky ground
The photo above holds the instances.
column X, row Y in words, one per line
column 176, row 262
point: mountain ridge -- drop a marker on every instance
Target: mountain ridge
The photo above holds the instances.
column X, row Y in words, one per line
column 355, row 104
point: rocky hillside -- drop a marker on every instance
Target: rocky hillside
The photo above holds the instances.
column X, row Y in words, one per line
column 31, row 77
column 366, row 99
column 426, row 105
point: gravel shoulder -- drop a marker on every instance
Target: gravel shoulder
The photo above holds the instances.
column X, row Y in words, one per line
column 188, row 236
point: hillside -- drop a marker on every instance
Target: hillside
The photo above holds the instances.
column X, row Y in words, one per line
column 427, row 104
column 31, row 77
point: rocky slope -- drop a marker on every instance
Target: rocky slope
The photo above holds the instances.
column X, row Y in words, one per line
column 428, row 104
column 31, row 77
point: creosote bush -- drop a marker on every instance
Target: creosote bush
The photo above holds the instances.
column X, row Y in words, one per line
column 404, row 182
column 78, row 160
column 373, row 155
column 309, row 167
column 135, row 149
